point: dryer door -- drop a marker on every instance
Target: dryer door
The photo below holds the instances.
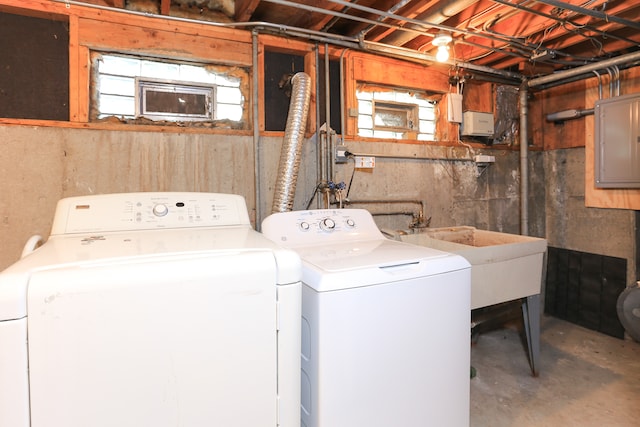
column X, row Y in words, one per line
column 155, row 341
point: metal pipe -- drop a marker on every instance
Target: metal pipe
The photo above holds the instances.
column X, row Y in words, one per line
column 419, row 220
column 406, row 213
column 386, row 202
column 599, row 84
column 561, row 116
column 286, row 30
column 398, row 157
column 591, row 12
column 382, row 201
column 421, row 26
column 256, row 129
column 319, row 142
column 315, row 9
column 393, row 9
column 587, row 69
column 321, row 136
column 318, row 36
column 524, row 162
column 327, row 88
column 405, row 53
column 292, row 145
column 584, row 76
column 438, row 16
column 327, row 107
column 343, row 116
column 405, row 28
column 335, row 19
column 280, row 28
column 611, row 83
column 564, row 21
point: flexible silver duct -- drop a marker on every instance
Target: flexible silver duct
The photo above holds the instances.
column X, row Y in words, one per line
column 292, row 144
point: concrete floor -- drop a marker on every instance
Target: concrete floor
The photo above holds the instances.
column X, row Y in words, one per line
column 586, row 379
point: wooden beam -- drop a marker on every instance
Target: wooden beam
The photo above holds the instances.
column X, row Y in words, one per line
column 538, row 29
column 165, row 6
column 204, row 45
column 74, row 78
column 35, row 9
column 393, row 72
column 245, row 9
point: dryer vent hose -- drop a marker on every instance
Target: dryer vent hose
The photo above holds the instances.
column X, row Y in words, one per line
column 292, row 144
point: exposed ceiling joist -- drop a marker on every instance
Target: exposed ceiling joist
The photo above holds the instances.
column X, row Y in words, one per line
column 509, row 36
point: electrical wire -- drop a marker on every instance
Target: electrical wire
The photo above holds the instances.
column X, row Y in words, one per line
column 353, row 172
column 313, row 196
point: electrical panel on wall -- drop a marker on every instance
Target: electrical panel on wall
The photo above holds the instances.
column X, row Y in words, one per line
column 617, row 142
column 454, row 107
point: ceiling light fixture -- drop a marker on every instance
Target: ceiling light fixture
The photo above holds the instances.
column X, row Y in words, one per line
column 442, row 40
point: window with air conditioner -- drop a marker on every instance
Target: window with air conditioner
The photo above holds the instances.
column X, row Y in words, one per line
column 130, row 87
column 169, row 100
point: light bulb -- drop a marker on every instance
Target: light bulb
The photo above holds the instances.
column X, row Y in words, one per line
column 443, row 53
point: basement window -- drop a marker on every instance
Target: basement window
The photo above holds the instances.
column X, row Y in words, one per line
column 395, row 113
column 131, row 88
column 169, row 100
column 392, row 116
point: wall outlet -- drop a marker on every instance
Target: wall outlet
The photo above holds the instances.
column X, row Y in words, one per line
column 483, row 158
column 341, row 154
column 365, row 162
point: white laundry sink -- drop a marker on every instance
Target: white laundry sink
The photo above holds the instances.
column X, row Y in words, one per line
column 504, row 267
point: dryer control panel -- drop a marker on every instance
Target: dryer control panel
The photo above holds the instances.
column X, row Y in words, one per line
column 322, row 226
column 148, row 211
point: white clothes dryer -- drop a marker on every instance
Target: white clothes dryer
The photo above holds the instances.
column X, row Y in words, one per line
column 151, row 309
column 385, row 325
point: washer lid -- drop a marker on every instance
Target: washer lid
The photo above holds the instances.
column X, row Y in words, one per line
column 120, row 248
column 371, row 262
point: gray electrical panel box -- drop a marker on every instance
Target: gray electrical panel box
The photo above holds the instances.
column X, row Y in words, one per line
column 617, row 142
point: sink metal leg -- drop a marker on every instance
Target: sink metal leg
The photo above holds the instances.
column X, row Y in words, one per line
column 531, row 316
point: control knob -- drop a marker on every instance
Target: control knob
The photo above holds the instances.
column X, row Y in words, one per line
column 160, row 209
column 327, row 224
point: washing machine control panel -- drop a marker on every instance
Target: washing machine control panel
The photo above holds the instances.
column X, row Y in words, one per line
column 144, row 211
column 320, row 226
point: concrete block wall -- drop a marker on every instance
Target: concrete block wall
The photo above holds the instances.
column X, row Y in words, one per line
column 571, row 225
column 40, row 165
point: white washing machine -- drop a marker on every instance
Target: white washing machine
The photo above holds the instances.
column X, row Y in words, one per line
column 151, row 309
column 385, row 324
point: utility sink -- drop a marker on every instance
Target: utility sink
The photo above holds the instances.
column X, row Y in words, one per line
column 504, row 267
